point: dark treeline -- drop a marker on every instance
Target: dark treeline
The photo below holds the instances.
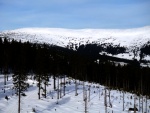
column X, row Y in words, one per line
column 145, row 50
column 84, row 63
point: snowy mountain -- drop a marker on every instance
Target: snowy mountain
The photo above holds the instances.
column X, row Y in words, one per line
column 129, row 38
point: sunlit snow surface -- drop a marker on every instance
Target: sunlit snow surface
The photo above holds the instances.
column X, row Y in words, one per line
column 68, row 103
column 61, row 37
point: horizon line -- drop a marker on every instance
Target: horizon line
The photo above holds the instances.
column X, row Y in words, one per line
column 147, row 26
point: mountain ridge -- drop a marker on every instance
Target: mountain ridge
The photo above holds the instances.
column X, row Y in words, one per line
column 131, row 39
column 87, row 34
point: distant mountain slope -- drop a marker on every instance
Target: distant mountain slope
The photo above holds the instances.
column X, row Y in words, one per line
column 130, row 38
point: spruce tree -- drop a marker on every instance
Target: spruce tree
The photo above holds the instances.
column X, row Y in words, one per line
column 20, row 85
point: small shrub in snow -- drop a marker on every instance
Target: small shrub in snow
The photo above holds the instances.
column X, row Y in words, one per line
column 33, row 110
column 23, row 94
column 6, row 97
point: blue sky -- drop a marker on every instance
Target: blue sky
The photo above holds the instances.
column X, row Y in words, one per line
column 74, row 14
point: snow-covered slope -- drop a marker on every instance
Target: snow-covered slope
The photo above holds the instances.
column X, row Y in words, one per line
column 61, row 37
column 129, row 38
column 68, row 103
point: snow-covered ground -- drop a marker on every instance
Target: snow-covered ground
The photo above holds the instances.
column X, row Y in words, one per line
column 68, row 103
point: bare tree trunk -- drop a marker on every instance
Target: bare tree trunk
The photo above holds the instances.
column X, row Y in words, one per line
column 5, row 74
column 45, row 88
column 134, row 104
column 109, row 97
column 105, row 100
column 19, row 97
column 139, row 102
column 64, row 84
column 85, row 100
column 39, row 86
column 54, row 78
column 142, row 91
column 76, row 93
column 4, row 82
column 105, row 97
column 124, row 87
column 139, row 88
column 123, row 100
column 19, row 101
column 89, row 93
column 4, row 79
column 142, row 103
column 109, row 91
column 116, row 81
column 83, row 90
column 58, row 88
column 146, row 103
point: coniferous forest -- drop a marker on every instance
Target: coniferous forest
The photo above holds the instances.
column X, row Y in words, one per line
column 83, row 63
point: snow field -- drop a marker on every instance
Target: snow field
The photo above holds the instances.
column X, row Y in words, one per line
column 68, row 103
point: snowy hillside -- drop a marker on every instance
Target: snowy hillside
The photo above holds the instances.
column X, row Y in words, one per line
column 61, row 37
column 129, row 38
column 69, row 102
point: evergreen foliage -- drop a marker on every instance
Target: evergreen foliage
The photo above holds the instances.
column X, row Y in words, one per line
column 85, row 63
